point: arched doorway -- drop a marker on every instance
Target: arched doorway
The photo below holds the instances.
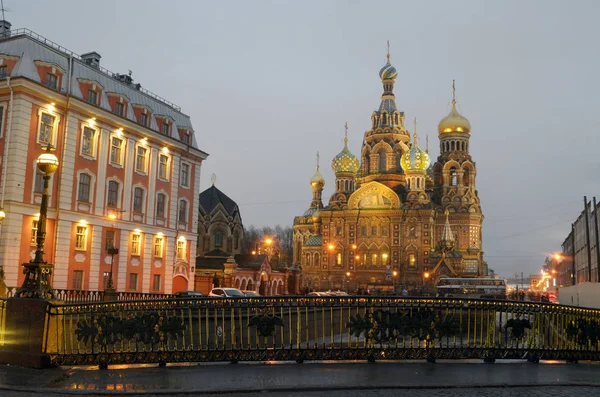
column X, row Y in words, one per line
column 179, row 284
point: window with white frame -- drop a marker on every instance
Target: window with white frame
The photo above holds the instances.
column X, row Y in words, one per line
column 182, row 212
column 136, row 240
column 116, row 150
column 138, row 200
column 83, row 192
column 112, row 196
column 158, row 247
column 119, row 109
column 180, row 249
column 51, row 81
column 81, row 237
column 46, row 132
column 166, row 130
column 78, row 279
column 92, row 97
column 163, row 166
column 141, row 159
column 34, row 230
column 3, row 72
column 186, row 138
column 184, row 175
column 38, row 183
column 88, row 141
column 161, row 202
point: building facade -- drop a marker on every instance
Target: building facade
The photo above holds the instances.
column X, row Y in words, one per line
column 393, row 218
column 579, row 259
column 128, row 177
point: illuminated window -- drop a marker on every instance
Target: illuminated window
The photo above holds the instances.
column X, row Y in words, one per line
column 158, row 247
column 384, row 258
column 87, row 141
column 180, row 249
column 161, row 200
column 138, row 200
column 141, row 159
column 78, row 279
column 34, row 229
column 51, row 81
column 105, row 277
column 81, row 238
column 307, row 260
column 83, row 191
column 46, row 133
column 163, row 166
column 338, row 258
column 374, row 259
column 92, row 97
column 412, row 260
column 119, row 109
column 116, row 151
column 136, row 240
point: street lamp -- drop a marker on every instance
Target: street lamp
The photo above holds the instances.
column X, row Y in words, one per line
column 37, row 272
column 425, row 277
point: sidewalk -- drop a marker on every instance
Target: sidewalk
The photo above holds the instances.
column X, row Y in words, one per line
column 291, row 377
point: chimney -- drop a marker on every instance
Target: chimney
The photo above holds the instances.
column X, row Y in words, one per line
column 5, row 28
column 92, row 59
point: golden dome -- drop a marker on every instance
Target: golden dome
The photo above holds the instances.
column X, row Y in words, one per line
column 316, row 216
column 317, row 179
column 454, row 122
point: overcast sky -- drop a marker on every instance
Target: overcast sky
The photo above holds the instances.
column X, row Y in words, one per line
column 268, row 83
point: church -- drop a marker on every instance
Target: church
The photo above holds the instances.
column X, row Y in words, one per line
column 395, row 220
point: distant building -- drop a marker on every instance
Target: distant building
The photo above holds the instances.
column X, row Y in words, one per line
column 579, row 260
column 390, row 211
column 129, row 173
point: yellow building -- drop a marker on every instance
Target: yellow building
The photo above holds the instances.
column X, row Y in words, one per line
column 394, row 220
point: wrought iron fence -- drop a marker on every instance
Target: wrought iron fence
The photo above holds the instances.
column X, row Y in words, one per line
column 318, row 328
column 81, row 296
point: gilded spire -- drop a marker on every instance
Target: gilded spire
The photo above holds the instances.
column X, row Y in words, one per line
column 453, row 93
column 415, row 132
column 346, row 134
column 427, row 144
column 388, row 51
column 318, row 161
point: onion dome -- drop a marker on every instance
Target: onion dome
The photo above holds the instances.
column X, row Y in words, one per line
column 388, row 72
column 415, row 159
column 316, row 216
column 345, row 161
column 317, row 179
column 454, row 121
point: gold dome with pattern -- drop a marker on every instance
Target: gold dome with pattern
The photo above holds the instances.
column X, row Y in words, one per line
column 454, row 121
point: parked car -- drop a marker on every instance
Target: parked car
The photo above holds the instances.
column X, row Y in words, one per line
column 226, row 293
column 189, row 294
column 251, row 294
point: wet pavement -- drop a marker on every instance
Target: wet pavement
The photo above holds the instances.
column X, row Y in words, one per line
column 311, row 379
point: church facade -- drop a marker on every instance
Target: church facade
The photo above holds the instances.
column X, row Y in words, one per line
column 394, row 220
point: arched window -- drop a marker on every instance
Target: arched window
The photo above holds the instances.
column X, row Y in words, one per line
column 338, row 259
column 218, row 238
column 307, row 260
column 466, row 177
column 398, row 164
column 453, row 177
column 382, row 164
column 236, row 240
column 317, row 260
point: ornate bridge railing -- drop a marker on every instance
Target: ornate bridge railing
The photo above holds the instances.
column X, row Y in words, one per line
column 332, row 328
column 83, row 296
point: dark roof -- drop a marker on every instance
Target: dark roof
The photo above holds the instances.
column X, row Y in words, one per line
column 250, row 261
column 212, row 196
column 314, row 241
column 203, row 262
column 217, row 253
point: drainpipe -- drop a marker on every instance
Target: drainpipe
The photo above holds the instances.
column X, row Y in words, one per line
column 5, row 160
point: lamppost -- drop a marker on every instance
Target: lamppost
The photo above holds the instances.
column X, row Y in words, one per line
column 425, row 279
column 395, row 279
column 348, row 274
column 37, row 272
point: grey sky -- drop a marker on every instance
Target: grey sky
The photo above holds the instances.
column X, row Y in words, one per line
column 268, row 83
